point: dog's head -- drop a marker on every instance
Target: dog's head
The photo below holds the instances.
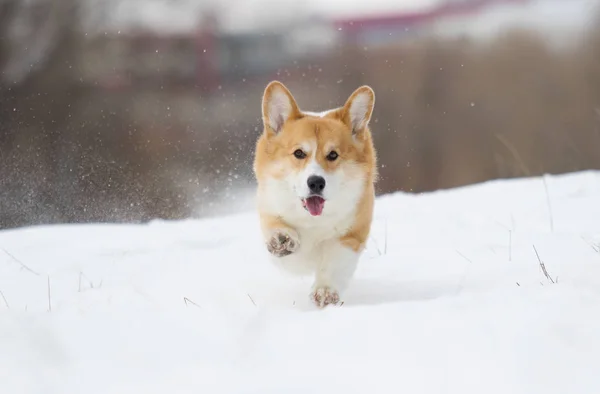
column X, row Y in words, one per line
column 318, row 160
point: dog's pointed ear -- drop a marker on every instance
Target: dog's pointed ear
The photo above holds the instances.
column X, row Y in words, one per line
column 358, row 109
column 278, row 106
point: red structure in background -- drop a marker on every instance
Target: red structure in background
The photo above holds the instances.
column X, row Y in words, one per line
column 357, row 29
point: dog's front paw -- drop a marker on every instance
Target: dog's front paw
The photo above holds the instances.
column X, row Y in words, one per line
column 323, row 296
column 282, row 243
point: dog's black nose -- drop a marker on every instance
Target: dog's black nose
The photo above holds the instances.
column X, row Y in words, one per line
column 316, row 184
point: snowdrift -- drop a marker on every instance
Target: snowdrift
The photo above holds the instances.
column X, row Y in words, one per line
column 489, row 288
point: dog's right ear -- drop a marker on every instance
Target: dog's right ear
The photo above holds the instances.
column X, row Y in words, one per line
column 278, row 106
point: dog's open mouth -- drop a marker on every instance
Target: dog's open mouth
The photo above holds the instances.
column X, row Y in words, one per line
column 314, row 205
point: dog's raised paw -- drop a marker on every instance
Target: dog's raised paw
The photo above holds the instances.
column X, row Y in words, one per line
column 282, row 244
column 323, row 296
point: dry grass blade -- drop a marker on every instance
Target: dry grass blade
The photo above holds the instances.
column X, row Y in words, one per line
column 188, row 301
column 251, row 299
column 16, row 260
column 464, row 257
column 4, row 298
column 379, row 252
column 595, row 248
column 90, row 283
column 542, row 265
column 385, row 240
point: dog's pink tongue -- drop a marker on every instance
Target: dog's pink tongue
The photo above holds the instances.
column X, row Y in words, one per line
column 315, row 205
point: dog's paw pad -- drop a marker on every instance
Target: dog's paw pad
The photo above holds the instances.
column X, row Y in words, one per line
column 282, row 244
column 324, row 296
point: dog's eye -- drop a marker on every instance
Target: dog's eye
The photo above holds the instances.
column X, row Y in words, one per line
column 299, row 154
column 332, row 155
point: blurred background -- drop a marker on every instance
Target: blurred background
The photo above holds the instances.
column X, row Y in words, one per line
column 131, row 110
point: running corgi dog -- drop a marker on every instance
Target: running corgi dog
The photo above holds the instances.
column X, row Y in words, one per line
column 316, row 174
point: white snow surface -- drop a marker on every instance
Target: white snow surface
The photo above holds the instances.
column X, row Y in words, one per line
column 449, row 298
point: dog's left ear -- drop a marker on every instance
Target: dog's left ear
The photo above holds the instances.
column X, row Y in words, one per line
column 358, row 109
column 278, row 106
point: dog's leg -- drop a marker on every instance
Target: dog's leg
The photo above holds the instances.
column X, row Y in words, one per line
column 281, row 239
column 335, row 270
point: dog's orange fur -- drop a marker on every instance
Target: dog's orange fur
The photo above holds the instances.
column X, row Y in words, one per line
column 332, row 131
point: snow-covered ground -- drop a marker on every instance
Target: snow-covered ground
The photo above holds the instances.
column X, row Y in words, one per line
column 449, row 298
